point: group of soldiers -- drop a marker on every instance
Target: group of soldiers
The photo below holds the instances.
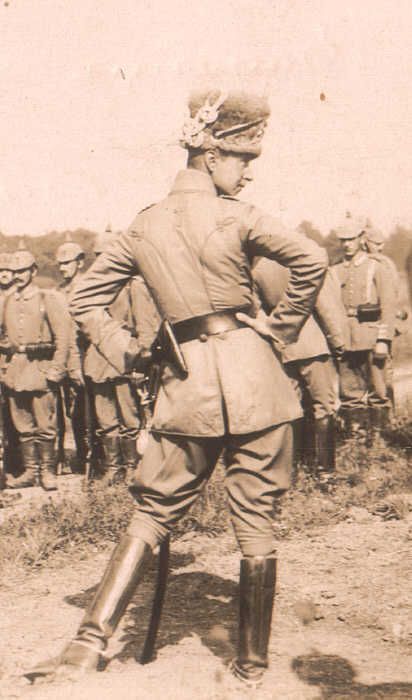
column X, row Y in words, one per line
column 51, row 373
column 251, row 321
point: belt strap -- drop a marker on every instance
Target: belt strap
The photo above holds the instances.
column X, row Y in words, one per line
column 200, row 327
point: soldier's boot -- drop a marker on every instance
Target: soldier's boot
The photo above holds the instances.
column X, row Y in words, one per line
column 85, row 652
column 298, row 428
column 356, row 422
column 379, row 420
column 256, row 595
column 47, row 464
column 325, row 451
column 129, row 453
column 113, row 470
column 28, row 451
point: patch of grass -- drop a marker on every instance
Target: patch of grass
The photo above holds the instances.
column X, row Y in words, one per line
column 365, row 477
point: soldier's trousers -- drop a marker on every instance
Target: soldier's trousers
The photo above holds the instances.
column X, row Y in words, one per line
column 116, row 409
column 319, row 378
column 364, row 380
column 34, row 414
column 174, row 470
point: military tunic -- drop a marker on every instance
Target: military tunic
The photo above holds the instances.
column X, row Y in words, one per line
column 35, row 316
column 364, row 279
column 308, row 360
column 193, row 250
column 115, row 399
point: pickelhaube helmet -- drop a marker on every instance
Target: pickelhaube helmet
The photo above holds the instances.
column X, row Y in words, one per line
column 69, row 250
column 374, row 235
column 22, row 259
column 102, row 240
column 351, row 228
column 233, row 122
column 5, row 261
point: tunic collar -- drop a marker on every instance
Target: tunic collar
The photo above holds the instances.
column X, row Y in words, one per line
column 357, row 260
column 191, row 180
column 27, row 293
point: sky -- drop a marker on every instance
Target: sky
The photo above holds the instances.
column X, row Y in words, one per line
column 93, row 95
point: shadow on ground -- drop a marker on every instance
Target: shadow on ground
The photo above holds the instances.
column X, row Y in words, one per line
column 336, row 679
column 196, row 603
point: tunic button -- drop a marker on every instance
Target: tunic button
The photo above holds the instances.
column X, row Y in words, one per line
column 203, row 337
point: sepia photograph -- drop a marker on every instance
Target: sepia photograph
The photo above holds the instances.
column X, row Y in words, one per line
column 205, row 350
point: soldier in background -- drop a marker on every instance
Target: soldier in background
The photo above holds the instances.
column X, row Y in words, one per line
column 369, row 297
column 8, row 437
column 36, row 327
column 308, row 362
column 374, row 242
column 70, row 258
column 6, row 274
column 116, row 401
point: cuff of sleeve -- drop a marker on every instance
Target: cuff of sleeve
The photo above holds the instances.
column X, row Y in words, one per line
column 383, row 334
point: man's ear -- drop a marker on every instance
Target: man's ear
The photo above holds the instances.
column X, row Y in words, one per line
column 211, row 160
column 80, row 263
column 34, row 270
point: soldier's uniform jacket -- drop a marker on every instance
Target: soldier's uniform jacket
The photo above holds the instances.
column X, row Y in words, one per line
column 323, row 331
column 364, row 279
column 35, row 316
column 193, row 250
column 134, row 310
column 390, row 265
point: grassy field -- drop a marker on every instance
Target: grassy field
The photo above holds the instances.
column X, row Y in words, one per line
column 374, row 480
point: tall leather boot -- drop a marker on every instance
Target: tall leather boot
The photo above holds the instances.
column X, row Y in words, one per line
column 124, row 571
column 114, row 471
column 129, row 453
column 47, row 464
column 356, row 421
column 28, row 451
column 325, row 443
column 256, row 595
column 379, row 420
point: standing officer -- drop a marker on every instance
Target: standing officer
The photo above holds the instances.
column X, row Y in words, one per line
column 70, row 258
column 308, row 362
column 36, row 326
column 193, row 250
column 369, row 298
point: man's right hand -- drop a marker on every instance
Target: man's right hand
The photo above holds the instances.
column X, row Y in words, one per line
column 137, row 359
column 261, row 324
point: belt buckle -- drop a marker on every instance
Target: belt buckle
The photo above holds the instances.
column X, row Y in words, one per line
column 21, row 348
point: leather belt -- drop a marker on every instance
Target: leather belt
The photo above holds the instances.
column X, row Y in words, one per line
column 201, row 327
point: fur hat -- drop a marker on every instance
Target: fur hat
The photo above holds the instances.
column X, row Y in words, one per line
column 233, row 122
column 69, row 250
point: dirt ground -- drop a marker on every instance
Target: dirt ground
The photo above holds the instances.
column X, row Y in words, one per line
column 342, row 626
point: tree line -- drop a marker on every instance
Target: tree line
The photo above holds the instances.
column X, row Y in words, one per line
column 398, row 246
